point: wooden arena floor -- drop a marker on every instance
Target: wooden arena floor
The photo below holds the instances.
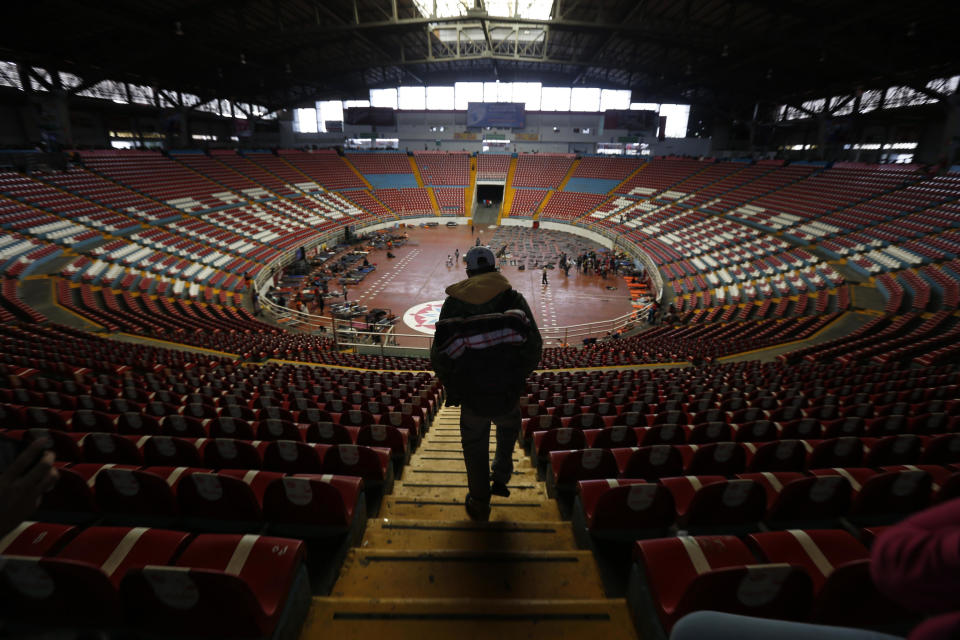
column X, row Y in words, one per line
column 419, row 274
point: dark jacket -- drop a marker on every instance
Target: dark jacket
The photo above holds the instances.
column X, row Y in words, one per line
column 483, row 294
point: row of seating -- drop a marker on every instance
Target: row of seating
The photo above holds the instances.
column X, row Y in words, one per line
column 324, row 167
column 380, row 163
column 703, row 342
column 630, row 509
column 438, row 168
column 541, row 170
column 406, row 203
column 814, row 575
column 526, row 201
column 377, row 463
column 146, row 581
column 606, row 168
column 493, row 166
column 20, row 254
column 197, row 498
column 264, row 178
column 109, row 194
column 570, row 205
column 562, row 467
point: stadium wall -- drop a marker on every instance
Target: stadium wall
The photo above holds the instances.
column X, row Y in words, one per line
column 414, row 132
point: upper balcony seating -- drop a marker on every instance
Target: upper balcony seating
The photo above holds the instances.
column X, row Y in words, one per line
column 443, row 168
column 111, row 195
column 606, row 168
column 253, row 171
column 325, row 168
column 541, row 171
column 659, row 174
column 379, row 163
column 64, row 204
column 160, row 178
column 493, row 166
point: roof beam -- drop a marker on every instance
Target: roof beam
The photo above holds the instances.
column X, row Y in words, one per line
column 562, row 24
column 627, row 19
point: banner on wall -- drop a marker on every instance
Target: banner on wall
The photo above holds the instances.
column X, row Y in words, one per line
column 504, row 115
column 465, row 135
column 528, row 137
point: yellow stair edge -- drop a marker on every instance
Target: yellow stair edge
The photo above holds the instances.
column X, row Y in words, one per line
column 543, row 204
column 430, row 535
column 566, row 178
column 471, row 190
column 467, row 573
column 344, row 160
column 416, row 171
column 433, row 201
column 504, row 619
column 629, row 177
column 508, row 191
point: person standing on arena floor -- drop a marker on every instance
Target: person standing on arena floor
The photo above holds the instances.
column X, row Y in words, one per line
column 485, row 346
column 543, row 280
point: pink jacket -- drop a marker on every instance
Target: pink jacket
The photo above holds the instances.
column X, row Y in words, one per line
column 917, row 563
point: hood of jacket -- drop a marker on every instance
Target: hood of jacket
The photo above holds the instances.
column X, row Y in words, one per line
column 480, row 288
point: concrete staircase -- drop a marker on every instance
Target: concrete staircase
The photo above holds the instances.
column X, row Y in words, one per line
column 424, row 570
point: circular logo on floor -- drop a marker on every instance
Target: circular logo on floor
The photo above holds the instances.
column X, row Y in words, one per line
column 423, row 317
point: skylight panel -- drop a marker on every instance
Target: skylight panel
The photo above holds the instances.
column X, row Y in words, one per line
column 445, row 8
column 532, row 9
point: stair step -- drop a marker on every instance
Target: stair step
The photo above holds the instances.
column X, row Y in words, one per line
column 504, row 509
column 445, row 461
column 428, row 535
column 467, row 619
column 453, row 476
column 380, row 573
column 525, row 489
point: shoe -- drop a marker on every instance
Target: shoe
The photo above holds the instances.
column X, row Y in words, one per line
column 478, row 511
column 499, row 489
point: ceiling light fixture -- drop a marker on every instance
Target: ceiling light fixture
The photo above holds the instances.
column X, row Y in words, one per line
column 243, row 58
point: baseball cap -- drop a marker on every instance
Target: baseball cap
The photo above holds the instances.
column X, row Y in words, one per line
column 480, row 257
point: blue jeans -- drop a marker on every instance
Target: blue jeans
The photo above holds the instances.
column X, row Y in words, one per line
column 713, row 625
column 475, row 439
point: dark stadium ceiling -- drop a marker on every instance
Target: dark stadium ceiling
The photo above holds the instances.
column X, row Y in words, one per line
column 281, row 53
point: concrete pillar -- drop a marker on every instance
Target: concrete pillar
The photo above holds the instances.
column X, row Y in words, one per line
column 185, row 139
column 61, row 109
column 823, row 122
column 950, row 141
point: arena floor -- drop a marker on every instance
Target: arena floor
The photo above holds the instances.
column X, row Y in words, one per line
column 419, row 275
